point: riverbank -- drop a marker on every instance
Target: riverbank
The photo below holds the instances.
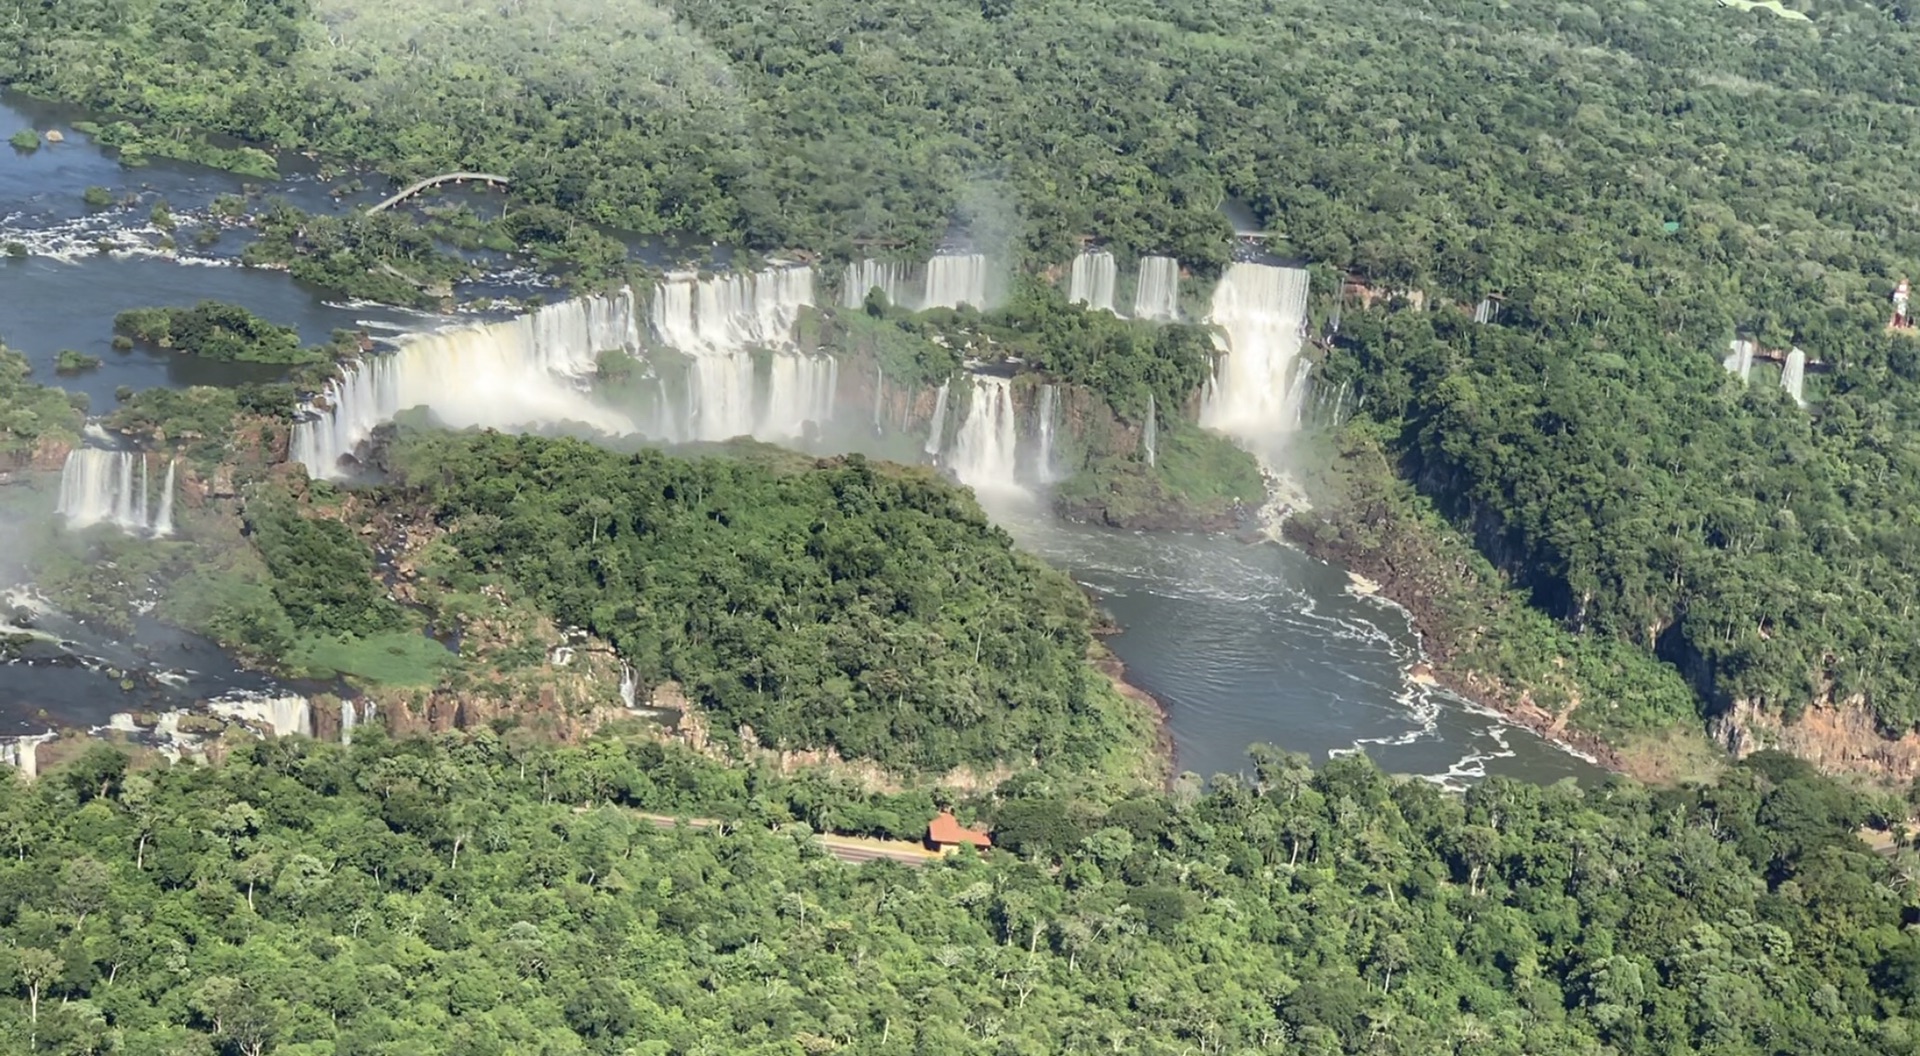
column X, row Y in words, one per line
column 1163, row 761
column 1602, row 698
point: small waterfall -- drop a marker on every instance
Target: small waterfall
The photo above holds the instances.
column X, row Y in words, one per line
column 285, row 714
column 1045, row 432
column 629, row 687
column 1150, row 436
column 524, row 372
column 1483, row 312
column 889, row 277
column 956, row 279
column 1793, row 376
column 99, row 486
column 1157, row 293
column 879, row 395
column 718, row 322
column 939, row 426
column 1091, row 281
column 348, row 718
column 23, row 753
column 1259, row 309
column 163, row 521
column 1739, row 359
column 985, row 448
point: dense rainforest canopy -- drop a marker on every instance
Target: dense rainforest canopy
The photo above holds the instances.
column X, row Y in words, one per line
column 488, row 895
column 866, row 608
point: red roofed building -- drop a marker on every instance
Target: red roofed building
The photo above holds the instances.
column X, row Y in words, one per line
column 945, row 833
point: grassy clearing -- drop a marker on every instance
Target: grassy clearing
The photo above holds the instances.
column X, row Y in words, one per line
column 398, row 658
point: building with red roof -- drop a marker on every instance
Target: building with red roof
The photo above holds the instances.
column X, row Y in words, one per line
column 945, row 833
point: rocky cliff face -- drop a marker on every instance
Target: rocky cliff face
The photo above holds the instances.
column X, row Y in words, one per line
column 1837, row 737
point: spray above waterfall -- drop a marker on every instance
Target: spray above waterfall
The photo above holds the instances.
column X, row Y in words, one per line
column 523, row 373
column 1256, row 385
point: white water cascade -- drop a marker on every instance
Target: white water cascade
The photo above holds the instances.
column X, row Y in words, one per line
column 23, row 753
column 1091, row 281
column 1739, row 359
column 348, row 719
column 718, row 322
column 163, row 521
column 1150, row 436
column 956, row 279
column 1259, row 310
column 1793, row 376
column 938, row 427
column 284, row 714
column 1044, row 429
column 521, row 373
column 985, row 449
column 1156, row 295
column 99, row 486
column 889, row 277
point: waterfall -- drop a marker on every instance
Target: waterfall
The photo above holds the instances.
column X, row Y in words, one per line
column 629, row 687
column 1157, row 293
column 984, row 449
column 887, row 276
column 1258, row 309
column 347, row 720
column 23, row 753
column 1150, row 436
column 879, row 394
column 1793, row 376
column 1739, row 359
column 99, row 486
column 956, row 279
column 520, row 373
column 1091, row 282
column 718, row 322
column 163, row 521
column 939, row 421
column 284, row 714
column 1045, row 432
column 1484, row 311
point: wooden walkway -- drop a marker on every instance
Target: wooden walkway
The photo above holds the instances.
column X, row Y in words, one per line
column 434, row 181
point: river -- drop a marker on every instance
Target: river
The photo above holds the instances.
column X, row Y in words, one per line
column 1241, row 643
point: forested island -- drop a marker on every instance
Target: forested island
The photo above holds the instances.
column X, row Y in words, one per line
column 1594, row 376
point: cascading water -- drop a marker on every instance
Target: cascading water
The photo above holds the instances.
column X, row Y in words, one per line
column 718, row 322
column 1157, row 293
column 956, row 279
column 938, row 428
column 163, row 521
column 1739, row 359
column 986, row 447
column 99, row 486
column 1793, row 376
column 629, row 687
column 879, row 395
column 1044, row 429
column 1150, row 436
column 285, row 714
column 1259, row 309
column 522, row 373
column 863, row 277
column 23, row 753
column 348, row 719
column 1091, row 281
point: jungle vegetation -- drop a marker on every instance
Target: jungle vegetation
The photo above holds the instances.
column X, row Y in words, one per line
column 488, row 894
